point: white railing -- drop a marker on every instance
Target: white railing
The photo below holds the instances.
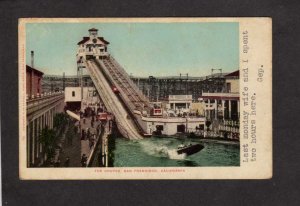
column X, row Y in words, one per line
column 219, row 94
column 34, row 105
column 42, row 95
column 180, row 97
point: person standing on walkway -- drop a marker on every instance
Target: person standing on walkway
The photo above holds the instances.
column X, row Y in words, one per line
column 82, row 134
column 57, row 163
column 88, row 133
column 98, row 129
column 83, row 160
column 92, row 141
column 110, row 125
column 67, row 162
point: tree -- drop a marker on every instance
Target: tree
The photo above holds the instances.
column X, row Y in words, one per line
column 111, row 144
column 59, row 121
column 48, row 139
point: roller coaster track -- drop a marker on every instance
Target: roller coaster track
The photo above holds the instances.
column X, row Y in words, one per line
column 128, row 90
column 124, row 117
column 125, row 75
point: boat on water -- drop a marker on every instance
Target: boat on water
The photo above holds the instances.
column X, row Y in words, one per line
column 189, row 149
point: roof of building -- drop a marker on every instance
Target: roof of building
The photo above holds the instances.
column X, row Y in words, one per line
column 56, row 76
column 35, row 70
column 93, row 29
column 102, row 39
column 233, row 74
column 85, row 39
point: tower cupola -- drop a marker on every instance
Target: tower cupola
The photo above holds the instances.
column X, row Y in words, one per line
column 93, row 33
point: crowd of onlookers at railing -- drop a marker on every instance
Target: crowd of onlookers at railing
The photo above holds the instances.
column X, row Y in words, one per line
column 227, row 129
column 91, row 131
column 44, row 94
column 216, row 134
column 175, row 114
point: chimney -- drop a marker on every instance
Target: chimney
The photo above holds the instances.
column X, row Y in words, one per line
column 32, row 59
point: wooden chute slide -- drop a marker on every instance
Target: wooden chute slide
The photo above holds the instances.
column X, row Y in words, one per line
column 72, row 114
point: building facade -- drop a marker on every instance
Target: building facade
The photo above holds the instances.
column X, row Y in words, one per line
column 172, row 125
column 155, row 88
column 177, row 102
column 225, row 104
column 222, row 109
column 41, row 108
column 75, row 101
column 159, row 88
column 92, row 47
column 33, row 82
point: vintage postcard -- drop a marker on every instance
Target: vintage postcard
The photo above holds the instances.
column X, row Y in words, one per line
column 145, row 98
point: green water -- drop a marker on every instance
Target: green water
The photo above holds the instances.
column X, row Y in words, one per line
column 161, row 152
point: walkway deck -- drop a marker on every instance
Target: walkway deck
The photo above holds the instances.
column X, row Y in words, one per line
column 88, row 144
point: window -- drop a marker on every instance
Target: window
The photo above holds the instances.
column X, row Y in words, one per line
column 73, row 93
column 181, row 128
column 228, row 86
column 159, row 127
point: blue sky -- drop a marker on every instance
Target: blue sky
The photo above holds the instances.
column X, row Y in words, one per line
column 143, row 49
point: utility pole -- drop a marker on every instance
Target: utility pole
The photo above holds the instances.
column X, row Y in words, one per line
column 32, row 59
column 186, row 84
column 180, row 84
column 32, row 75
column 157, row 94
column 51, row 78
column 64, row 81
column 81, row 83
column 79, row 74
column 187, row 77
column 148, row 92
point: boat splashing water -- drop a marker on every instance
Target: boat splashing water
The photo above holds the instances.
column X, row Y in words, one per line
column 162, row 152
column 154, row 150
column 173, row 154
column 189, row 149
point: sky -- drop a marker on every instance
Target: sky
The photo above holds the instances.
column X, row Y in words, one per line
column 143, row 49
